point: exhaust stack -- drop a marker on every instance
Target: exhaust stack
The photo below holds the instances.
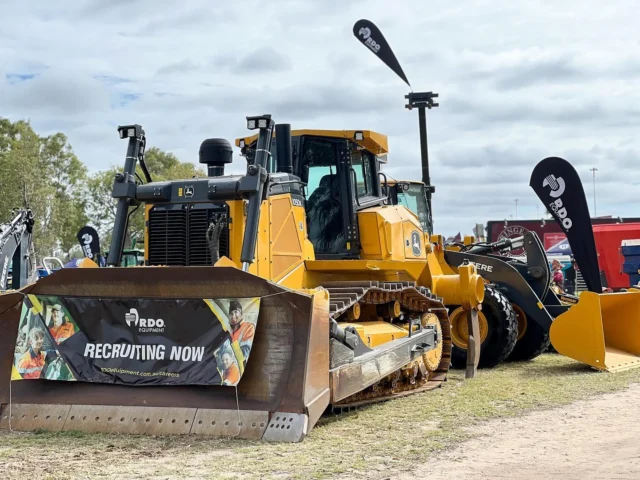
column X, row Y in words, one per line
column 283, row 148
column 215, row 153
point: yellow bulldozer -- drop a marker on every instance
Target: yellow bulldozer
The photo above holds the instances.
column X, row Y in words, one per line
column 265, row 299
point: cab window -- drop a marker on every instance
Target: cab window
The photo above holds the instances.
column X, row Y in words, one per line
column 320, row 162
column 413, row 198
column 361, row 162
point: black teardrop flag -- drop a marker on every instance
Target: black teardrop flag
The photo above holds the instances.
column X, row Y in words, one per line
column 371, row 37
column 558, row 186
column 90, row 242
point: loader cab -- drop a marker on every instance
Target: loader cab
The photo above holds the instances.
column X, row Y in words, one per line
column 341, row 171
column 413, row 196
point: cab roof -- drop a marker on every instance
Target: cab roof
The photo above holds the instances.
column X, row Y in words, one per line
column 374, row 142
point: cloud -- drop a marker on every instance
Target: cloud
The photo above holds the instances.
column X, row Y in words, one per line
column 19, row 77
column 56, row 92
column 262, row 60
column 517, row 82
column 182, row 67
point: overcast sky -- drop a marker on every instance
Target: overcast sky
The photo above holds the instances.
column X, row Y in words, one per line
column 517, row 83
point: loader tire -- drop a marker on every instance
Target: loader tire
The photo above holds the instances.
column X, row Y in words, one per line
column 499, row 334
column 532, row 342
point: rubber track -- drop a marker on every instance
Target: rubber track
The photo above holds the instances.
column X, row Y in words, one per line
column 344, row 294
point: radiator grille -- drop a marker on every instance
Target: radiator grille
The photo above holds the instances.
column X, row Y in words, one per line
column 177, row 234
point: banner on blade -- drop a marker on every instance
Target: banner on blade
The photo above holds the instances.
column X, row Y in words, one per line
column 135, row 341
column 558, row 186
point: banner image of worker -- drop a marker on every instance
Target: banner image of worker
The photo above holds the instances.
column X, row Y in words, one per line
column 135, row 342
column 44, row 324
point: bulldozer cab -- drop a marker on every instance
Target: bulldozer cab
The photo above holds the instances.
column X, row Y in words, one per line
column 341, row 171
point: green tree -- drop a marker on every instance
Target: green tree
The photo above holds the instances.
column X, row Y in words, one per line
column 45, row 175
column 102, row 207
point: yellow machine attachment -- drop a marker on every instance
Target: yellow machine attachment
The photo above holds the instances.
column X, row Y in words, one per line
column 609, row 341
column 264, row 299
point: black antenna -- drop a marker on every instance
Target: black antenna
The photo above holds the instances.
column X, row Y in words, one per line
column 422, row 101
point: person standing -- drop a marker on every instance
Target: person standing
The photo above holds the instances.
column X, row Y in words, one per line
column 558, row 276
column 570, row 277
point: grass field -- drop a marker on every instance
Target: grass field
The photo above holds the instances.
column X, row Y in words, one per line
column 384, row 437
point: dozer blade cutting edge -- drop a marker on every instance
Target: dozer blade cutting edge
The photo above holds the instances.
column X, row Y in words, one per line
column 601, row 330
column 282, row 393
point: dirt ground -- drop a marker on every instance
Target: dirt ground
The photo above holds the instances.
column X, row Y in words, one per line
column 545, row 419
column 593, row 439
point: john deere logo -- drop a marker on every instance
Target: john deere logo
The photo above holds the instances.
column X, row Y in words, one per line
column 415, row 243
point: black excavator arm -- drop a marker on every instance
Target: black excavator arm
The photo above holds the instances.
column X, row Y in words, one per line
column 15, row 242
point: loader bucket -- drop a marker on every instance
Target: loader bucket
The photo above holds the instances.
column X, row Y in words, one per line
column 282, row 390
column 601, row 330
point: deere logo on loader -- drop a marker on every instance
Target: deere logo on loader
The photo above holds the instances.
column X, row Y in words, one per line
column 144, row 324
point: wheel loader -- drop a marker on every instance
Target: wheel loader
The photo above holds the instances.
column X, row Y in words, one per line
column 513, row 326
column 596, row 328
column 265, row 299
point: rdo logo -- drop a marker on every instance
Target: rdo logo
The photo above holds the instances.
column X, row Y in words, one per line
column 144, row 324
column 365, row 33
column 86, row 245
column 557, row 187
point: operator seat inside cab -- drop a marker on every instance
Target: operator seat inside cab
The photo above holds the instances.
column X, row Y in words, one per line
column 324, row 216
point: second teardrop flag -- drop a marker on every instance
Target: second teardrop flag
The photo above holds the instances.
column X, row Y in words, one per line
column 558, row 186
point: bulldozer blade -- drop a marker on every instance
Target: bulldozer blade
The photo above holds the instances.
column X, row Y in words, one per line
column 601, row 330
column 280, row 396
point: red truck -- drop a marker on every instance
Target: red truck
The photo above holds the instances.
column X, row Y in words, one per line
column 609, row 232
